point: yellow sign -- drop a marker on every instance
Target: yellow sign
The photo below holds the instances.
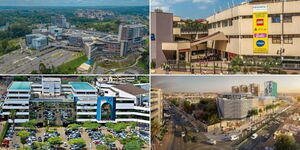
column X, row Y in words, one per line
column 260, row 29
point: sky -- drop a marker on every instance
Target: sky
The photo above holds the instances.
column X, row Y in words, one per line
column 74, row 2
column 193, row 9
column 286, row 84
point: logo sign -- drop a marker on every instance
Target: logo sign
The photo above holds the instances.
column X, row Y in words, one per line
column 152, row 37
column 260, row 29
column 260, row 35
column 259, row 22
column 260, row 43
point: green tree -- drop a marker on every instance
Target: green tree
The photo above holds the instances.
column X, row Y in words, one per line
column 74, row 126
column 20, row 78
column 102, row 147
column 23, row 134
column 25, row 148
column 55, row 141
column 285, row 142
column 12, row 116
column 91, row 125
column 133, row 145
column 31, row 124
column 77, row 141
column 155, row 128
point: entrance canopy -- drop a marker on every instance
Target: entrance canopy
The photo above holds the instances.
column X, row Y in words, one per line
column 218, row 36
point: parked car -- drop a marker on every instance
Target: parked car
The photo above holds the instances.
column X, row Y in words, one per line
column 254, row 136
column 212, row 142
column 234, row 137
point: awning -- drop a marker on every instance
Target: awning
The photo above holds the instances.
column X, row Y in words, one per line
column 218, row 36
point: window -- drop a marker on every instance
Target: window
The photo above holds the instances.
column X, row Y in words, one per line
column 219, row 24
column 275, row 18
column 230, row 22
column 224, row 23
column 287, row 18
column 288, row 39
column 276, row 39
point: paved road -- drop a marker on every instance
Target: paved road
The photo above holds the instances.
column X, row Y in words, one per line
column 182, row 124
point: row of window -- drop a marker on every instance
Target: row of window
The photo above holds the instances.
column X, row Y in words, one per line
column 276, row 39
column 287, row 18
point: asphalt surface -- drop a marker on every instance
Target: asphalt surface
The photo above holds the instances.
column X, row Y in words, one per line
column 182, row 124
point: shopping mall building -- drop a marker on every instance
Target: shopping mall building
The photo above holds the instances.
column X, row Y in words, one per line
column 99, row 103
column 235, row 32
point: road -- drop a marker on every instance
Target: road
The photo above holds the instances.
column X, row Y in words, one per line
column 179, row 124
column 266, row 131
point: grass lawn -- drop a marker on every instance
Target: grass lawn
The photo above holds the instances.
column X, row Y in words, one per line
column 130, row 60
column 71, row 66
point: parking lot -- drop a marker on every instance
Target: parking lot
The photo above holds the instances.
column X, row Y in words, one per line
column 101, row 136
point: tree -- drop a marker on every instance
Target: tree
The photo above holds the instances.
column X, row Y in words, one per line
column 20, row 78
column 31, row 124
column 159, row 10
column 74, row 126
column 102, row 147
column 155, row 127
column 55, row 141
column 133, row 145
column 78, row 141
column 285, row 142
column 23, row 134
column 25, row 148
column 91, row 125
column 12, row 116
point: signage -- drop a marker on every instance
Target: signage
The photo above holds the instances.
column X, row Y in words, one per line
column 260, row 29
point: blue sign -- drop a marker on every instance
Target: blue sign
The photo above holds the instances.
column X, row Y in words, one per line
column 103, row 100
column 260, row 43
column 152, row 37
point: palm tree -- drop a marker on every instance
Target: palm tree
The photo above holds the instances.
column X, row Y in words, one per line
column 12, row 116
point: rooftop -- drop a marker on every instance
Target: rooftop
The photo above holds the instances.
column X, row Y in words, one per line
column 20, row 86
column 81, row 86
column 129, row 88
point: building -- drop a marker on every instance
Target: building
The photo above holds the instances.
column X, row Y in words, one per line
column 235, row 89
column 172, row 41
column 60, row 21
column 234, row 106
column 254, row 89
column 36, row 41
column 270, row 89
column 75, row 40
column 131, row 38
column 281, row 35
column 102, row 103
column 157, row 105
column 54, row 30
column 243, row 89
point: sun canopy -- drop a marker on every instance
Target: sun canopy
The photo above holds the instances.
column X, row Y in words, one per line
column 218, row 36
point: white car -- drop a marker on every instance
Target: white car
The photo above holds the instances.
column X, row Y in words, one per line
column 254, row 128
column 182, row 134
column 212, row 142
column 254, row 136
column 234, row 137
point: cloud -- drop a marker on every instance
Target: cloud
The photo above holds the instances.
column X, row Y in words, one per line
column 165, row 5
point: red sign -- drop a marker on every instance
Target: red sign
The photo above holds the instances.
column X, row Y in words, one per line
column 259, row 22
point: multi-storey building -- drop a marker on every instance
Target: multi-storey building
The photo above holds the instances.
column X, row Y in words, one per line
column 254, row 89
column 235, row 106
column 60, row 21
column 36, row 41
column 131, row 38
column 237, row 24
column 157, row 105
column 271, row 89
column 170, row 43
column 103, row 103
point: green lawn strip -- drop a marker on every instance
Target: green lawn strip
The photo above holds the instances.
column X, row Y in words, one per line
column 71, row 66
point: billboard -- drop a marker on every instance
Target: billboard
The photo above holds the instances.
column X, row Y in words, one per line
column 260, row 29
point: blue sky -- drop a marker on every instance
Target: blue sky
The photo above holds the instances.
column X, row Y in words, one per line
column 74, row 2
column 193, row 9
column 288, row 84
